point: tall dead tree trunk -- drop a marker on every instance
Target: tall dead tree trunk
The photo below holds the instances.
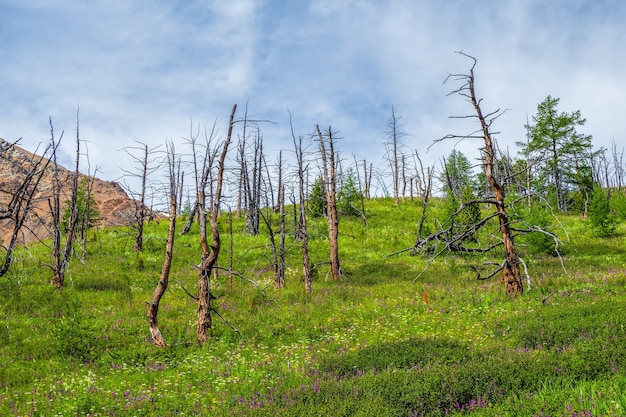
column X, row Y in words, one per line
column 153, row 306
column 280, row 276
column 193, row 210
column 328, row 167
column 302, row 233
column 393, row 137
column 145, row 165
column 141, row 215
column 60, row 255
column 278, row 251
column 281, row 245
column 511, row 272
column 425, row 178
column 209, row 257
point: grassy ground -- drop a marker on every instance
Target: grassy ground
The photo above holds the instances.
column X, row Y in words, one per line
column 389, row 339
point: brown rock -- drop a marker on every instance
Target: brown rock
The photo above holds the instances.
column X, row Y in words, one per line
column 114, row 205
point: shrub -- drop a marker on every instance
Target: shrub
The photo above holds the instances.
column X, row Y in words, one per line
column 602, row 222
column 538, row 242
column 74, row 335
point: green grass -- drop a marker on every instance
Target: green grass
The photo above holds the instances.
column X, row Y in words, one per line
column 385, row 340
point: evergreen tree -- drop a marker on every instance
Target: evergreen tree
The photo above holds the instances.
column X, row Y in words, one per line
column 317, row 199
column 558, row 154
column 349, row 197
column 456, row 175
column 536, row 215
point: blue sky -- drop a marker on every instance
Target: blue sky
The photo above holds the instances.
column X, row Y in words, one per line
column 142, row 70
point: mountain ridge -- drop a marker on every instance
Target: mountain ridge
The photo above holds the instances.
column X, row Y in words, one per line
column 116, row 208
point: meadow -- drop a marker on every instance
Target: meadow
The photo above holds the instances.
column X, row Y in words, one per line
column 389, row 339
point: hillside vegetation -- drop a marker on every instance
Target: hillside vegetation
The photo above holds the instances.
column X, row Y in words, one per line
column 388, row 339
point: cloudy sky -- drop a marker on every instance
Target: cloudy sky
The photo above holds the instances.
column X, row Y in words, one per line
column 142, row 70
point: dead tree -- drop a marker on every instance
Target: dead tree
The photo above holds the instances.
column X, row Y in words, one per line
column 280, row 282
column 456, row 238
column 403, row 159
column 145, row 166
column 61, row 256
column 510, row 267
column 250, row 178
column 193, row 210
column 361, row 193
column 20, row 198
column 367, row 180
column 328, row 169
column 302, row 229
column 393, row 144
column 278, row 251
column 618, row 165
column 210, row 255
column 424, row 177
column 173, row 165
column 280, row 275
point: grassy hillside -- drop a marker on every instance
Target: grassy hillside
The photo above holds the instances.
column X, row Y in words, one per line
column 384, row 341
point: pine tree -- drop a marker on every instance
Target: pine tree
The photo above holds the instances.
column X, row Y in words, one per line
column 602, row 221
column 349, row 196
column 317, row 199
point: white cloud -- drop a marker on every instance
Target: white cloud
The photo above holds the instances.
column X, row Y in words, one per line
column 140, row 70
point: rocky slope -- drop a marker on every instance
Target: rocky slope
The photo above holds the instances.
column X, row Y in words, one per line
column 115, row 206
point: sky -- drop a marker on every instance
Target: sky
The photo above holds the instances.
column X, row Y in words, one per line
column 154, row 70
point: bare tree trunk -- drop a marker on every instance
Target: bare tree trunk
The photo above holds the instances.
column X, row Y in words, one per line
column 144, row 169
column 62, row 256
column 279, row 279
column 306, row 270
column 366, row 188
column 425, row 178
column 55, row 210
column 403, row 178
column 511, row 273
column 281, row 246
column 141, row 216
column 230, row 248
column 328, row 164
column 209, row 259
column 361, row 193
column 73, row 218
column 153, row 306
column 393, row 137
column 618, row 165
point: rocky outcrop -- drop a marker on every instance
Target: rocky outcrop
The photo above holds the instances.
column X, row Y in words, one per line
column 116, row 208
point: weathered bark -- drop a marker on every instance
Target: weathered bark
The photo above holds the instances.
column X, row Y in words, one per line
column 453, row 239
column 210, row 257
column 145, row 167
column 153, row 306
column 141, row 215
column 403, row 178
column 62, row 256
column 278, row 253
column 328, row 165
column 55, row 211
column 280, row 283
column 393, row 159
column 302, row 233
column 511, row 273
column 425, row 178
